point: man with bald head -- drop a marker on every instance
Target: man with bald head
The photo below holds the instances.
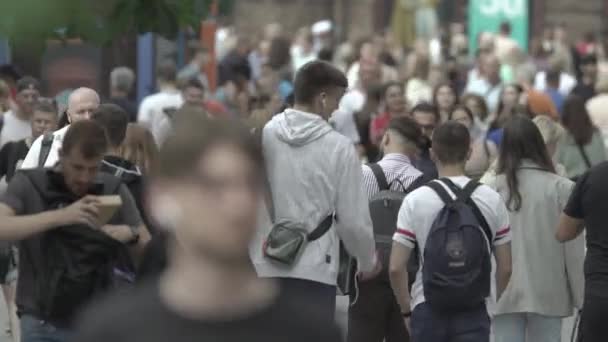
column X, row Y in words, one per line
column 489, row 85
column 81, row 104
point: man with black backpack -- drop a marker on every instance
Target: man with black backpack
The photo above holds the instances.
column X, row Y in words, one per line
column 72, row 223
column 374, row 314
column 456, row 225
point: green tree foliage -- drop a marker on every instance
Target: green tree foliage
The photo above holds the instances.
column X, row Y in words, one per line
column 100, row 21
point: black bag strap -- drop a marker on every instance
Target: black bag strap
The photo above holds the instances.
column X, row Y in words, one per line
column 321, row 229
column 464, row 195
column 441, row 192
column 418, row 182
column 380, row 176
column 581, row 149
column 45, row 148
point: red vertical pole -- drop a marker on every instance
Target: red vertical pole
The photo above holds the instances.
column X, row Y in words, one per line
column 208, row 30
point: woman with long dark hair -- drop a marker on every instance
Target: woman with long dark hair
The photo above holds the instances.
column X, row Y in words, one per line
column 583, row 146
column 547, row 280
column 445, row 98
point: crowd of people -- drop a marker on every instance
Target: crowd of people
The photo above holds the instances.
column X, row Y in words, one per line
column 445, row 197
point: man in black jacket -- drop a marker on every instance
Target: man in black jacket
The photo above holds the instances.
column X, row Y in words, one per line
column 67, row 247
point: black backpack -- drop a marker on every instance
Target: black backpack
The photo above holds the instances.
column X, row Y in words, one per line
column 457, row 266
column 384, row 210
column 77, row 261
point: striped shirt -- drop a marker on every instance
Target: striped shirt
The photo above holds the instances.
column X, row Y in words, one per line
column 398, row 170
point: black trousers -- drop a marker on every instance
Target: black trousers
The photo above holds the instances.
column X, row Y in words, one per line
column 376, row 316
column 593, row 326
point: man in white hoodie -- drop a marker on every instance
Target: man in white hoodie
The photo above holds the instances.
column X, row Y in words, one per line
column 314, row 172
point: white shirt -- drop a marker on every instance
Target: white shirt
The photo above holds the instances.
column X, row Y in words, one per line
column 483, row 88
column 152, row 112
column 14, row 128
column 31, row 160
column 421, row 207
column 566, row 82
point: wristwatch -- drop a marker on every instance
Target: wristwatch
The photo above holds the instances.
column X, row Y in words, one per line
column 135, row 236
column 406, row 314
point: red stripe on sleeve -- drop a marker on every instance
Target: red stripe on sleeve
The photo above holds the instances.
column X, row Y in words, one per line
column 406, row 233
column 503, row 231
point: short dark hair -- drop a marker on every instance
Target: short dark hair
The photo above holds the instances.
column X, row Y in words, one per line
column 427, row 108
column 27, row 82
column 47, row 105
column 114, row 120
column 194, row 135
column 88, row 137
column 451, row 143
column 192, row 82
column 408, row 129
column 167, row 71
column 314, row 78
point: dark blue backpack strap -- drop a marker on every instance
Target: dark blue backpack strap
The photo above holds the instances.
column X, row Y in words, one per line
column 380, row 176
column 465, row 196
column 441, row 192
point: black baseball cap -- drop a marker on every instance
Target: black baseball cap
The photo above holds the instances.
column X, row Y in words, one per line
column 28, row 82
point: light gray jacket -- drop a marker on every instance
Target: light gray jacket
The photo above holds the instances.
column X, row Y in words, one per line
column 314, row 171
column 547, row 276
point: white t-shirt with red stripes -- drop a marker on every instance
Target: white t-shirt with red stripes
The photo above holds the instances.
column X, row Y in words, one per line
column 421, row 207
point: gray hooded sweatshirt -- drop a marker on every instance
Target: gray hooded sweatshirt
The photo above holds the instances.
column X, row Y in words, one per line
column 314, row 171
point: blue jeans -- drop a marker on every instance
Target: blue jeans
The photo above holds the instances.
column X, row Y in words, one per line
column 36, row 330
column 428, row 325
column 522, row 327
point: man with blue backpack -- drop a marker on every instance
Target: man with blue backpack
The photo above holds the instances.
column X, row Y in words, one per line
column 456, row 225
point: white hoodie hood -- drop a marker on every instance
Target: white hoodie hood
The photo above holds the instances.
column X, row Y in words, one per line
column 298, row 128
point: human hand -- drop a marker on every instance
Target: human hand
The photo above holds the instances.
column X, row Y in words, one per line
column 365, row 276
column 121, row 233
column 84, row 211
column 406, row 321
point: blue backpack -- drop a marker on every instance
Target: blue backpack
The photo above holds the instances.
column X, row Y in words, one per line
column 457, row 264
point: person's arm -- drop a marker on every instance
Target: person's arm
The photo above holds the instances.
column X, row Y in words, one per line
column 31, row 160
column 14, row 227
column 569, row 228
column 400, row 256
column 503, row 267
column 571, row 222
column 354, row 224
column 128, row 225
column 502, row 249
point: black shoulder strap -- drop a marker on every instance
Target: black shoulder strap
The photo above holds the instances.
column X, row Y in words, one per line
column 322, row 228
column 418, row 182
column 380, row 177
column 465, row 196
column 441, row 192
column 581, row 149
column 45, row 148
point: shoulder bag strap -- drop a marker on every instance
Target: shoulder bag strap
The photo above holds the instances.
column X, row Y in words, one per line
column 581, row 149
column 45, row 148
column 380, row 176
column 267, row 188
column 418, row 182
column 322, row 228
